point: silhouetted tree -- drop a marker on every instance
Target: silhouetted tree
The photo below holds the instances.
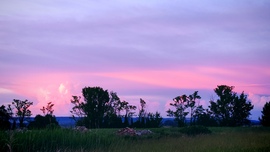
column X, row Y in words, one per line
column 48, row 110
column 180, row 105
column 147, row 120
column 115, row 105
column 185, row 105
column 241, row 110
column 77, row 111
column 230, row 109
column 265, row 119
column 22, row 110
column 12, row 118
column 112, row 118
column 99, row 108
column 199, row 113
column 96, row 104
column 203, row 117
column 129, row 112
column 4, row 118
column 142, row 113
column 191, row 103
column 48, row 120
column 153, row 120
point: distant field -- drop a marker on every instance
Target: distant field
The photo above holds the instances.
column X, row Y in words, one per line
column 163, row 139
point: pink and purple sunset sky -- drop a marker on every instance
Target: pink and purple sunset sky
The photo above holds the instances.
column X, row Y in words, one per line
column 154, row 50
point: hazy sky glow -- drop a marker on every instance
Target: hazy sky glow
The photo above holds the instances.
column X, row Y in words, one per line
column 155, row 50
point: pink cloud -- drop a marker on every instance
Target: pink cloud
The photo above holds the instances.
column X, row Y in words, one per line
column 258, row 101
column 42, row 88
column 197, row 78
column 152, row 106
column 127, row 52
column 58, row 88
column 59, row 95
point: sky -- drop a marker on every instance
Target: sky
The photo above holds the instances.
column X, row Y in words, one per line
column 154, row 50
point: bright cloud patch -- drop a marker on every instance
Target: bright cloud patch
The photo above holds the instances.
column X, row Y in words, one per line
column 62, row 89
column 5, row 91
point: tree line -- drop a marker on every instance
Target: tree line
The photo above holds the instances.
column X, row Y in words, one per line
column 100, row 108
column 103, row 109
column 229, row 109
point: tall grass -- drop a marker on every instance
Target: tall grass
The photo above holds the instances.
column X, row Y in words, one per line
column 163, row 139
column 59, row 139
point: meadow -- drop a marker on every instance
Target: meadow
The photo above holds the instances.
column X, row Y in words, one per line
column 163, row 139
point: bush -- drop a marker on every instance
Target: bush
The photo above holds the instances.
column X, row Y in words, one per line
column 52, row 126
column 41, row 122
column 195, row 130
column 4, row 125
column 4, row 118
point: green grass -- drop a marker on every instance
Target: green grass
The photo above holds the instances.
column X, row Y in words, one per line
column 163, row 139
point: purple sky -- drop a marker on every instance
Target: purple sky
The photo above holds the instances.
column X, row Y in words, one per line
column 155, row 50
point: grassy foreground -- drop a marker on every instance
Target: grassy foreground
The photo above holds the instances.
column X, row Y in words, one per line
column 163, row 139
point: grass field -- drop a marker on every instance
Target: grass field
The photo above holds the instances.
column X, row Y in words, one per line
column 164, row 139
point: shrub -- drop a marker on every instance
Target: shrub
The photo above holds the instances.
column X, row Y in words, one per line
column 195, row 130
column 41, row 122
column 52, row 126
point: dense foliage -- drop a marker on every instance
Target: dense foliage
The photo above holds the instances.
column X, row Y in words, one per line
column 195, row 130
column 230, row 109
column 41, row 122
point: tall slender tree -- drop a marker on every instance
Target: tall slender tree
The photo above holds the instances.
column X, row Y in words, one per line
column 142, row 113
column 192, row 105
column 129, row 112
column 153, row 120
